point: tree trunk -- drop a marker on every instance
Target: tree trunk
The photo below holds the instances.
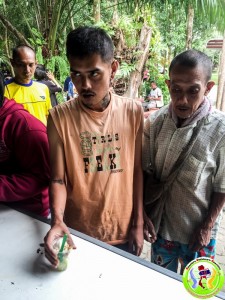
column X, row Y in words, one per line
column 190, row 20
column 96, row 11
column 6, row 46
column 220, row 102
column 171, row 54
column 115, row 17
column 71, row 16
column 38, row 18
column 54, row 19
column 120, row 43
column 6, row 42
column 26, row 22
column 142, row 56
column 14, row 31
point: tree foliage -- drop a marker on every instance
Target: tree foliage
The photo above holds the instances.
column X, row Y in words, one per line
column 44, row 24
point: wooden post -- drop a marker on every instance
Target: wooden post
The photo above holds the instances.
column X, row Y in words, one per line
column 221, row 80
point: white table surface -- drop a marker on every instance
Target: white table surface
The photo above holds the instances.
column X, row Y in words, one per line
column 93, row 272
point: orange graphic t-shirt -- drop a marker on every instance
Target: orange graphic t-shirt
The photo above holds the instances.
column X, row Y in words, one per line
column 99, row 149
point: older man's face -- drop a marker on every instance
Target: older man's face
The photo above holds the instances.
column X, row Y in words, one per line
column 187, row 87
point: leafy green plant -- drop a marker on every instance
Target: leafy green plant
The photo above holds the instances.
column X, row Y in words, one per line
column 37, row 38
column 127, row 25
column 59, row 66
column 125, row 70
column 39, row 56
column 106, row 26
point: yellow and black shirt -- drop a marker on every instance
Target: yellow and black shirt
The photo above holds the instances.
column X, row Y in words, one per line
column 34, row 96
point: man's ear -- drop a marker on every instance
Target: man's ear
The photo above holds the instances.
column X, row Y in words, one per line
column 209, row 86
column 167, row 81
column 114, row 66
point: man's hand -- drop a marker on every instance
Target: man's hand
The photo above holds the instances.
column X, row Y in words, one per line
column 150, row 98
column 54, row 233
column 50, row 75
column 149, row 230
column 200, row 238
column 136, row 240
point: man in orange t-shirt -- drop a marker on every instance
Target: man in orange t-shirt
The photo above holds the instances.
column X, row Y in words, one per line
column 95, row 148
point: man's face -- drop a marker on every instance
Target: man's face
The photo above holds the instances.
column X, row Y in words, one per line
column 24, row 65
column 153, row 85
column 91, row 77
column 187, row 87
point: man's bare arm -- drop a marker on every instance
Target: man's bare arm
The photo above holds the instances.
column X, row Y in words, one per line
column 136, row 234
column 57, row 164
column 58, row 194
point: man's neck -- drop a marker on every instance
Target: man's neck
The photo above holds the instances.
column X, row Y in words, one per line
column 19, row 81
column 102, row 105
column 105, row 101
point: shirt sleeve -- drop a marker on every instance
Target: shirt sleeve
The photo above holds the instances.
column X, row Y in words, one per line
column 66, row 84
column 219, row 178
column 159, row 92
column 70, row 89
column 33, row 165
column 53, row 87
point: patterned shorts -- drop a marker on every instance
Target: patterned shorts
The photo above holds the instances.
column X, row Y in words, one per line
column 167, row 254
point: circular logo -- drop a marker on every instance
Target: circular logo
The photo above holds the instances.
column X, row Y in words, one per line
column 203, row 278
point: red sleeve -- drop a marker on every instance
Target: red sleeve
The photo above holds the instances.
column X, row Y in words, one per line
column 31, row 174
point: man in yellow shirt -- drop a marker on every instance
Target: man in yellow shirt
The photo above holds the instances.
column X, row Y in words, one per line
column 33, row 95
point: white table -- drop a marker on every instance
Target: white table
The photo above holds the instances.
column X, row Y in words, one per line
column 95, row 270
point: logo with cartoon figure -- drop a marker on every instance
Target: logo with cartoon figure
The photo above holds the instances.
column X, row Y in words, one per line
column 203, row 278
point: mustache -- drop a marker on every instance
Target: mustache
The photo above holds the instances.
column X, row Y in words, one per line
column 87, row 93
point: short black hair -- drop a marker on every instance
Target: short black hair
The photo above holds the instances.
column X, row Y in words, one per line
column 40, row 72
column 15, row 50
column 2, row 88
column 192, row 59
column 84, row 41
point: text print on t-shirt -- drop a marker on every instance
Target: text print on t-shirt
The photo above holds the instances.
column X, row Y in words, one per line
column 101, row 152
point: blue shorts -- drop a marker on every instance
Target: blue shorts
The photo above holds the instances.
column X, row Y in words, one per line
column 167, row 254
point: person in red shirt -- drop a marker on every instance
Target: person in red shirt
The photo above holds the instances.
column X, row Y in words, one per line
column 24, row 158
